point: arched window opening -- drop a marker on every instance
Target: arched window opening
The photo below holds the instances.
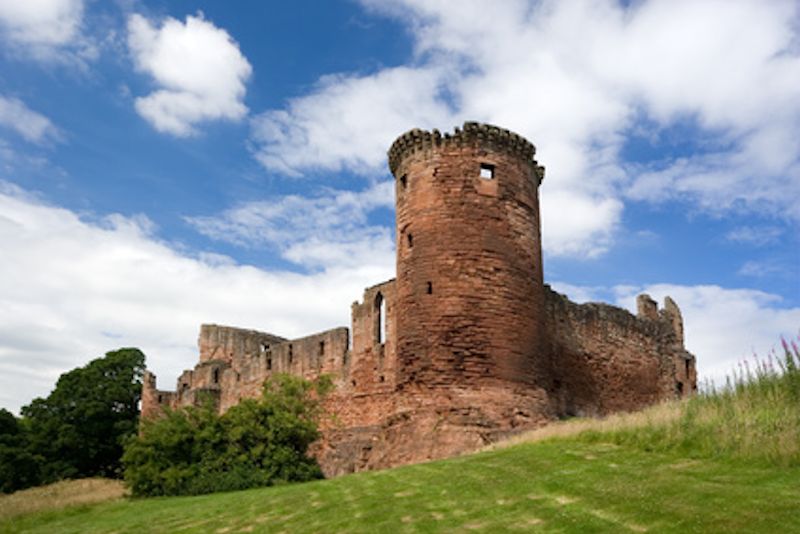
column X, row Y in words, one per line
column 380, row 319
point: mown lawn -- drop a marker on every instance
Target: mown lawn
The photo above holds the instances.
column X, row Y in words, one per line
column 560, row 485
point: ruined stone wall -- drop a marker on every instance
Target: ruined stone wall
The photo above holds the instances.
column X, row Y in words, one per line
column 469, row 267
column 467, row 345
column 605, row 359
column 234, row 363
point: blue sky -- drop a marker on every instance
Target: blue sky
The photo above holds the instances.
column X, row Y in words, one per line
column 165, row 164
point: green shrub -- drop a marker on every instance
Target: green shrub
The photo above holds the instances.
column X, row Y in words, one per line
column 256, row 443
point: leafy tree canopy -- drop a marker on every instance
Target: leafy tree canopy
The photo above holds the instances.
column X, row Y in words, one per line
column 258, row 442
column 80, row 427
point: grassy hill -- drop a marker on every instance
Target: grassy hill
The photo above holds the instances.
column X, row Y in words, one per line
column 726, row 461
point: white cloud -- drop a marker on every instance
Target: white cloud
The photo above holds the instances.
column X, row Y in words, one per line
column 330, row 229
column 73, row 290
column 198, row 68
column 349, row 121
column 724, row 326
column 758, row 236
column 32, row 126
column 46, row 30
column 730, row 68
column 41, row 22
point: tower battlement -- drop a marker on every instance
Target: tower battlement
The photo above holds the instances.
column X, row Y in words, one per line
column 471, row 134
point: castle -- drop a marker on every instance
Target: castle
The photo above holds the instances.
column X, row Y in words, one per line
column 467, row 345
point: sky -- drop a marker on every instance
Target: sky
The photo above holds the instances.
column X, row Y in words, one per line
column 165, row 164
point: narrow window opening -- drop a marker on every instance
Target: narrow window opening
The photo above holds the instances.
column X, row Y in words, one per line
column 160, row 399
column 688, row 366
column 269, row 364
column 380, row 319
column 404, row 181
column 487, row 171
column 322, row 348
column 354, row 383
column 430, row 288
column 382, row 379
column 410, row 240
column 291, row 354
column 679, row 388
column 216, row 376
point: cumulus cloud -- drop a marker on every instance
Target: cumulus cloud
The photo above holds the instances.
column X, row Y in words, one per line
column 198, row 69
column 45, row 29
column 349, row 121
column 70, row 290
column 32, row 126
column 41, row 22
column 330, row 229
column 726, row 67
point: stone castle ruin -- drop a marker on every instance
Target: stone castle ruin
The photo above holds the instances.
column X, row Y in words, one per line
column 467, row 345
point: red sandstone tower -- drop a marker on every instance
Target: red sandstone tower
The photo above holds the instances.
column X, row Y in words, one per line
column 469, row 259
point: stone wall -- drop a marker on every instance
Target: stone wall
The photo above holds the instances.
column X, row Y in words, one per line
column 467, row 345
column 469, row 275
column 605, row 359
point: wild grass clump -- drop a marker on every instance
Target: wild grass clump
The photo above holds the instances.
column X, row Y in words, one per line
column 64, row 494
column 755, row 416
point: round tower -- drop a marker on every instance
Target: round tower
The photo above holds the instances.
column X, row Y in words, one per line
column 469, row 258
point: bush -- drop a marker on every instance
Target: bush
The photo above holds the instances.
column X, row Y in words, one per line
column 256, row 443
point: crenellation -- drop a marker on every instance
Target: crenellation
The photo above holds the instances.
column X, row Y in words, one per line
column 467, row 344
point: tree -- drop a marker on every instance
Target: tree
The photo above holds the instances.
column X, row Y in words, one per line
column 79, row 429
column 258, row 442
column 19, row 468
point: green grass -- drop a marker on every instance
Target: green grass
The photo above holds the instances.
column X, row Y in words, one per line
column 559, row 485
column 724, row 461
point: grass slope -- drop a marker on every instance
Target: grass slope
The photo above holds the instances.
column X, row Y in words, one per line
column 724, row 461
column 559, row 485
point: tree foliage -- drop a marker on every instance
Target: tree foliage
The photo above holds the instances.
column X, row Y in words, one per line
column 19, row 467
column 79, row 429
column 258, row 442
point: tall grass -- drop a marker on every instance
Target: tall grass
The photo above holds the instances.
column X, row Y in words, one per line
column 755, row 416
column 64, row 494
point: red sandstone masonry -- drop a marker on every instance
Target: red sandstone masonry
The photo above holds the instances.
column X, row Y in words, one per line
column 467, row 345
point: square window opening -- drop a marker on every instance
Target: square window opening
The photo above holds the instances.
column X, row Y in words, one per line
column 487, row 171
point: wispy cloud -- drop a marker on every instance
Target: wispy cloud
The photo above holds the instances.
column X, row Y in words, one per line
column 326, row 231
column 32, row 126
column 758, row 236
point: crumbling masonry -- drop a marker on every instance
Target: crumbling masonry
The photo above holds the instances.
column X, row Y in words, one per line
column 467, row 345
